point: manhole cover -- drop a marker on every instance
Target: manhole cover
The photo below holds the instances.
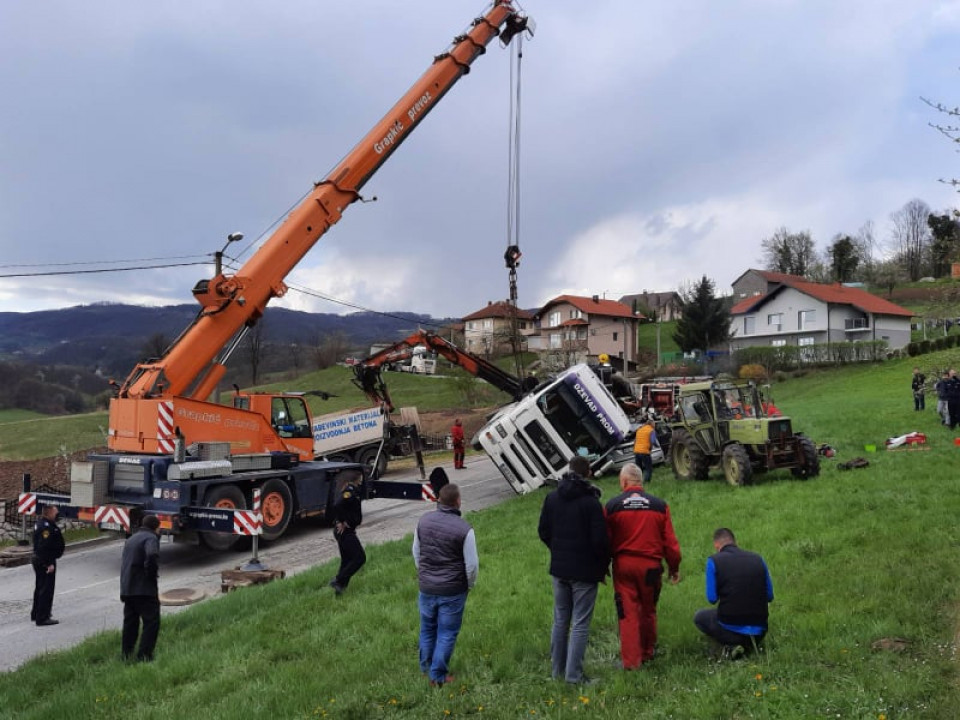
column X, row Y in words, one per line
column 181, row 596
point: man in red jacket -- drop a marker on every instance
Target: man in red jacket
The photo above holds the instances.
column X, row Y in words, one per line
column 456, row 435
column 641, row 538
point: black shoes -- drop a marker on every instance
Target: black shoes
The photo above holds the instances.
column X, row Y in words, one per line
column 337, row 587
column 48, row 621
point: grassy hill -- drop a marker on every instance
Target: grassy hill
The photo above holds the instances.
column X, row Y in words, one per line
column 857, row 558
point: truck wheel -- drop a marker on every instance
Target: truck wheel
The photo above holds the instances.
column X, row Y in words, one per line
column 228, row 497
column 340, row 457
column 366, row 458
column 811, row 461
column 736, row 465
column 276, row 506
column 686, row 457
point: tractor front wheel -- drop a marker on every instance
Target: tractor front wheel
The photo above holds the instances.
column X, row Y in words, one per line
column 687, row 457
column 811, row 461
column 736, row 465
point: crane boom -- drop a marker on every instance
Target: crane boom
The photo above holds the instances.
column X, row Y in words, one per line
column 229, row 303
column 168, row 398
column 368, row 372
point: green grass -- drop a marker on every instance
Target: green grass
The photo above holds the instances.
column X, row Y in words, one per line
column 16, row 415
column 647, row 337
column 45, row 436
column 856, row 556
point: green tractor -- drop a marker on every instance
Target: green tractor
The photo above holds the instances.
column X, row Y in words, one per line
column 727, row 423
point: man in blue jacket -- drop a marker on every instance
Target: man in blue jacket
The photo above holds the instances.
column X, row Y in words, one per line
column 139, row 572
column 739, row 583
column 573, row 527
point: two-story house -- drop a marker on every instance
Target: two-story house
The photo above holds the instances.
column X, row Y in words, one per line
column 580, row 327
column 487, row 331
column 792, row 311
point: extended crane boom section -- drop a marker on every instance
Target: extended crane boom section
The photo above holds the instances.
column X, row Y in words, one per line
column 190, row 368
column 368, row 372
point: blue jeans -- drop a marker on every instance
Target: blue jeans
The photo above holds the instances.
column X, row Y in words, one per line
column 440, row 620
column 573, row 603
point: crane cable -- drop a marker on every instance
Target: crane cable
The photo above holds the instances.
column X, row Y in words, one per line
column 513, row 254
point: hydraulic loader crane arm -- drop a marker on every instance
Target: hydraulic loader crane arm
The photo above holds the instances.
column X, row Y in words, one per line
column 232, row 303
column 368, row 372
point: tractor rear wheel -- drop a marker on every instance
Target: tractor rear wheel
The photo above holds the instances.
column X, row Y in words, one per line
column 687, row 457
column 811, row 461
column 736, row 465
column 276, row 507
column 227, row 497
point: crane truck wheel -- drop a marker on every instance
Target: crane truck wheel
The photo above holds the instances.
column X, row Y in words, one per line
column 367, row 457
column 228, row 497
column 276, row 506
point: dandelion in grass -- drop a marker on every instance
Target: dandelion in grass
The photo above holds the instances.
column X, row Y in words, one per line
column 758, row 694
column 759, row 677
column 393, row 701
column 881, row 716
column 584, row 699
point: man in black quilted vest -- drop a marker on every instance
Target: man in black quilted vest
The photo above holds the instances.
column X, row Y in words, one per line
column 445, row 553
column 739, row 583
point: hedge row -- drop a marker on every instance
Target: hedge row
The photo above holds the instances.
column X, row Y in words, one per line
column 923, row 347
column 792, row 357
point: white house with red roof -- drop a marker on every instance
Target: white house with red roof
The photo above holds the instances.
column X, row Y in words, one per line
column 587, row 326
column 488, row 330
column 777, row 309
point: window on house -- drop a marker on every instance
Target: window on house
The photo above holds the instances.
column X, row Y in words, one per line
column 807, row 343
column 556, row 341
column 554, row 318
column 806, row 319
column 778, row 343
column 615, row 337
column 775, row 321
column 488, row 324
column 749, row 325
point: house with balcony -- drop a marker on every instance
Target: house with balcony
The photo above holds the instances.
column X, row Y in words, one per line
column 789, row 310
column 575, row 328
column 487, row 331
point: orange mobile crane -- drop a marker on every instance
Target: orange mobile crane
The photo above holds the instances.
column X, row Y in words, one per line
column 177, row 454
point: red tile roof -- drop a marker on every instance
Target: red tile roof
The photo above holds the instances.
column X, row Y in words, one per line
column 499, row 309
column 835, row 294
column 574, row 321
column 607, row 308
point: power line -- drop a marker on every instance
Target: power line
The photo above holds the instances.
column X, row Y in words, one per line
column 100, row 262
column 99, row 270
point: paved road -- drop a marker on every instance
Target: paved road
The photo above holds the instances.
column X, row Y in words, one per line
column 87, row 598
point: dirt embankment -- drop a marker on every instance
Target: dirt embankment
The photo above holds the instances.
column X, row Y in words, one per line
column 55, row 471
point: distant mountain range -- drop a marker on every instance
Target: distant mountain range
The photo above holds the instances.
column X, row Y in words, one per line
column 110, row 338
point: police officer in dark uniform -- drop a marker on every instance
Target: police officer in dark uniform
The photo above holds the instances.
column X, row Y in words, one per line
column 347, row 516
column 47, row 548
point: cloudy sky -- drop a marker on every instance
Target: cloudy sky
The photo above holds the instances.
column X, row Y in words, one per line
column 660, row 142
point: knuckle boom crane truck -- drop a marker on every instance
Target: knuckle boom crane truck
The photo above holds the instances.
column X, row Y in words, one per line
column 193, row 462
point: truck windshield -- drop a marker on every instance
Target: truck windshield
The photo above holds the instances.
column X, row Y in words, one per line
column 574, row 421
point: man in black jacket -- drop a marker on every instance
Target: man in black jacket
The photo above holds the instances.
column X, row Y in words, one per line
column 48, row 547
column 572, row 526
column 347, row 516
column 739, row 582
column 139, row 572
